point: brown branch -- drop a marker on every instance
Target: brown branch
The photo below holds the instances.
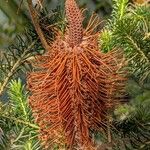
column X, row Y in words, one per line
column 36, row 25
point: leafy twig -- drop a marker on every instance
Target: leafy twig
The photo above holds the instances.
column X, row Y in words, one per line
column 15, row 66
column 21, row 121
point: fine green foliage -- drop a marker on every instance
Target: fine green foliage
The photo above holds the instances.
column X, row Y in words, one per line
column 18, row 130
column 129, row 29
column 18, row 99
column 132, row 120
column 16, row 58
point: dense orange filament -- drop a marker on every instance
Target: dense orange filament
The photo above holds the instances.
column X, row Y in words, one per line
column 74, row 86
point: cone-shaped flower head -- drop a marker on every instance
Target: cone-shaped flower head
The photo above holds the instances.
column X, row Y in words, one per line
column 74, row 85
column 75, row 19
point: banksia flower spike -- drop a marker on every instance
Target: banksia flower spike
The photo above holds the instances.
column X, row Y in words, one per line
column 74, row 85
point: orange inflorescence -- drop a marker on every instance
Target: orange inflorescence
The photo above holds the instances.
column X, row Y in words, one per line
column 74, row 86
